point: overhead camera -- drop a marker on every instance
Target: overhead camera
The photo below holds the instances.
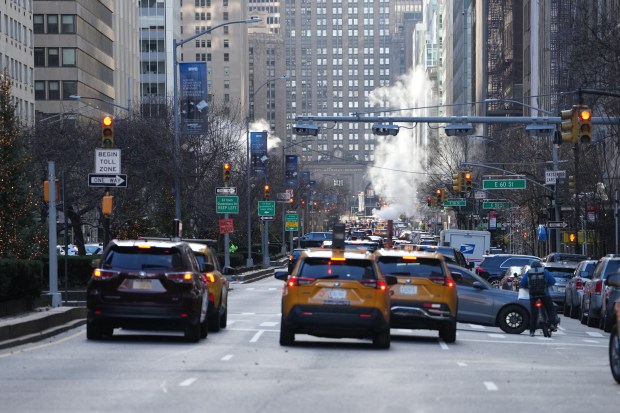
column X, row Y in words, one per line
column 458, row 129
column 540, row 129
column 306, row 130
column 383, row 129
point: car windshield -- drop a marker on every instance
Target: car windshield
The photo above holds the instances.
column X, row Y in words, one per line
column 417, row 267
column 134, row 258
column 349, row 269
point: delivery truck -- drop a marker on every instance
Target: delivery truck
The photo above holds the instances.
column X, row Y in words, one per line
column 473, row 244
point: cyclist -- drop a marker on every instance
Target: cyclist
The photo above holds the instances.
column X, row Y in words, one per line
column 538, row 280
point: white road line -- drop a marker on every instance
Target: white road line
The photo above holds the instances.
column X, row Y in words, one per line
column 250, row 289
column 188, row 382
column 591, row 341
column 461, row 364
column 257, row 336
column 495, row 335
column 490, row 386
column 273, row 289
column 269, row 323
column 443, row 345
column 227, row 357
column 544, row 338
column 594, row 334
column 477, row 327
column 561, row 328
column 248, row 313
column 402, row 330
column 231, row 322
column 163, row 387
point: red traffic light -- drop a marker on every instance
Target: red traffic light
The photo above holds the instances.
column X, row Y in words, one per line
column 585, row 114
column 226, row 166
column 107, row 121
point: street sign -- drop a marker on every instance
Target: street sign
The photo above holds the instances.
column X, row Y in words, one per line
column 226, row 190
column 107, row 161
column 115, row 180
column 552, row 176
column 291, row 222
column 282, row 197
column 226, row 226
column 503, row 184
column 226, row 204
column 266, row 218
column 496, row 204
column 266, row 208
column 557, row 224
column 454, row 202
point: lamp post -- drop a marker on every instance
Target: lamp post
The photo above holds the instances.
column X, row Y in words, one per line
column 175, row 109
column 249, row 261
column 107, row 102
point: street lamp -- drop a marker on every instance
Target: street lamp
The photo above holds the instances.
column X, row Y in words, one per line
column 175, row 109
column 250, row 261
column 107, row 102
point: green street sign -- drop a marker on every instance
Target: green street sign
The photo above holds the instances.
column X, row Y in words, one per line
column 291, row 222
column 496, row 204
column 266, row 208
column 226, row 204
column 503, row 184
column 454, row 202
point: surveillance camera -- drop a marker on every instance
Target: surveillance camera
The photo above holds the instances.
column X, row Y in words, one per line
column 458, row 129
column 383, row 129
column 540, row 129
column 306, row 130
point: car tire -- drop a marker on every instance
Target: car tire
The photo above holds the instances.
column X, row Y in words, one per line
column 381, row 339
column 447, row 332
column 574, row 311
column 591, row 321
column 513, row 319
column 583, row 318
column 93, row 331
column 606, row 324
column 224, row 318
column 204, row 328
column 192, row 332
column 287, row 336
column 566, row 307
column 614, row 354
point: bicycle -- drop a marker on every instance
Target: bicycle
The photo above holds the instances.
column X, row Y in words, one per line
column 544, row 322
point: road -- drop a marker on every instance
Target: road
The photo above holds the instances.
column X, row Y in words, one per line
column 243, row 369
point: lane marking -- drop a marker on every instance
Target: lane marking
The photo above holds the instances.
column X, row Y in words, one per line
column 443, row 345
column 257, row 336
column 188, row 382
column 490, row 386
column 227, row 357
column 273, row 289
column 477, row 327
column 40, row 346
column 163, row 387
column 250, row 289
column 561, row 328
column 544, row 338
column 591, row 341
column 545, row 342
column 269, row 323
column 248, row 313
column 594, row 334
column 231, row 322
column 461, row 364
column 495, row 335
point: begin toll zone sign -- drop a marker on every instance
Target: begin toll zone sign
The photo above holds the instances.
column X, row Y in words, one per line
column 291, row 221
column 107, row 161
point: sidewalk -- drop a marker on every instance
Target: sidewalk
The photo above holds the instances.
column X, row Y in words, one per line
column 46, row 322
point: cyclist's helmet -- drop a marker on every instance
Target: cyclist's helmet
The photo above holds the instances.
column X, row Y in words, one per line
column 536, row 264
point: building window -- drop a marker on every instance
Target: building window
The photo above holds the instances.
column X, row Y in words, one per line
column 225, row 28
column 39, row 56
column 53, row 87
column 52, row 23
column 52, row 57
column 209, row 43
column 208, row 57
column 68, row 23
column 226, row 97
column 226, row 57
column 38, row 23
column 69, row 87
column 225, row 3
column 226, row 44
column 226, row 71
column 68, row 57
column 227, row 84
column 39, row 90
column 225, row 14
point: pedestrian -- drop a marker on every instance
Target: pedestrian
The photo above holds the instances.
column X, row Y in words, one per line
column 538, row 280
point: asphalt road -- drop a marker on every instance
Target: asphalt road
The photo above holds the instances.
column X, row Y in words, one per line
column 243, row 369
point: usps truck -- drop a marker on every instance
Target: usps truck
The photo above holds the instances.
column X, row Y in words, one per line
column 473, row 244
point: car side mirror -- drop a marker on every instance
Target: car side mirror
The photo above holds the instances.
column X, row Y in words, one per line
column 478, row 285
column 614, row 280
column 456, row 276
column 207, row 267
column 281, row 275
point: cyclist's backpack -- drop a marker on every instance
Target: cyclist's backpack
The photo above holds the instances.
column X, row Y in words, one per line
column 536, row 282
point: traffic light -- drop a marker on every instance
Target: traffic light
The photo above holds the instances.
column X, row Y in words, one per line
column 572, row 237
column 585, row 124
column 572, row 189
column 570, row 129
column 429, row 201
column 467, row 180
column 457, row 182
column 226, row 173
column 438, row 196
column 266, row 192
column 46, row 191
column 291, row 202
column 106, row 204
column 107, row 132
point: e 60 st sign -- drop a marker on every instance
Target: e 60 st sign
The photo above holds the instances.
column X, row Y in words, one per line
column 503, row 184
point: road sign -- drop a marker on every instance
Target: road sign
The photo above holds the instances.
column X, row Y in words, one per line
column 115, row 180
column 282, row 197
column 454, row 202
column 266, row 208
column 291, row 222
column 226, row 190
column 557, row 224
column 266, row 218
column 552, row 176
column 226, row 204
column 226, row 226
column 503, row 184
column 496, row 204
column 107, row 161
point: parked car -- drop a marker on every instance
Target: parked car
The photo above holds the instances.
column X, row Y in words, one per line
column 480, row 303
column 592, row 300
column 293, row 258
column 614, row 347
column 574, row 287
column 564, row 257
column 562, row 272
column 314, row 239
column 510, row 275
column 93, row 249
column 451, row 254
column 611, row 295
column 493, row 266
column 154, row 285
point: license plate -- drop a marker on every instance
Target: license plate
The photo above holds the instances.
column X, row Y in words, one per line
column 142, row 285
column 408, row 289
column 337, row 294
column 561, row 289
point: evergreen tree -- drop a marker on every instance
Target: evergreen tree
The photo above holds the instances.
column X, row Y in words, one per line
column 18, row 206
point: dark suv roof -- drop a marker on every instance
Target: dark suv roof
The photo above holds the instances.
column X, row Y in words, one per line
column 564, row 257
column 494, row 265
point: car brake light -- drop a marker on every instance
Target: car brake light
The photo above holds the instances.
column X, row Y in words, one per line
column 598, row 287
column 293, row 281
column 339, row 259
column 539, row 303
column 443, row 281
column 100, row 274
column 180, row 277
column 410, row 258
column 378, row 284
column 579, row 285
column 144, row 246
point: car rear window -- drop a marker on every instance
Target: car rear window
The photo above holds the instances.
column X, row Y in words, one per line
column 612, row 267
column 349, row 269
column 561, row 272
column 418, row 267
column 134, row 258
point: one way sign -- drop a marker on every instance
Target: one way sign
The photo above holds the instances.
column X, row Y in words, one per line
column 116, row 180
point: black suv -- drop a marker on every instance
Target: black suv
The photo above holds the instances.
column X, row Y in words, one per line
column 153, row 285
column 493, row 266
column 314, row 239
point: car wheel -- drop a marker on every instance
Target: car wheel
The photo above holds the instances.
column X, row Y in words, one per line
column 583, row 318
column 287, row 336
column 204, row 328
column 614, row 354
column 566, row 307
column 381, row 340
column 606, row 323
column 224, row 319
column 93, row 331
column 447, row 332
column 192, row 332
column 574, row 311
column 591, row 321
column 513, row 319
column 214, row 319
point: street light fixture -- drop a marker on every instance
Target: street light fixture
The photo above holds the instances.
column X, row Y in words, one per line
column 107, row 102
column 175, row 109
column 250, row 261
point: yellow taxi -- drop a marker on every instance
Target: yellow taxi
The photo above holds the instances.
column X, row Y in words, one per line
column 425, row 295
column 336, row 294
column 217, row 283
